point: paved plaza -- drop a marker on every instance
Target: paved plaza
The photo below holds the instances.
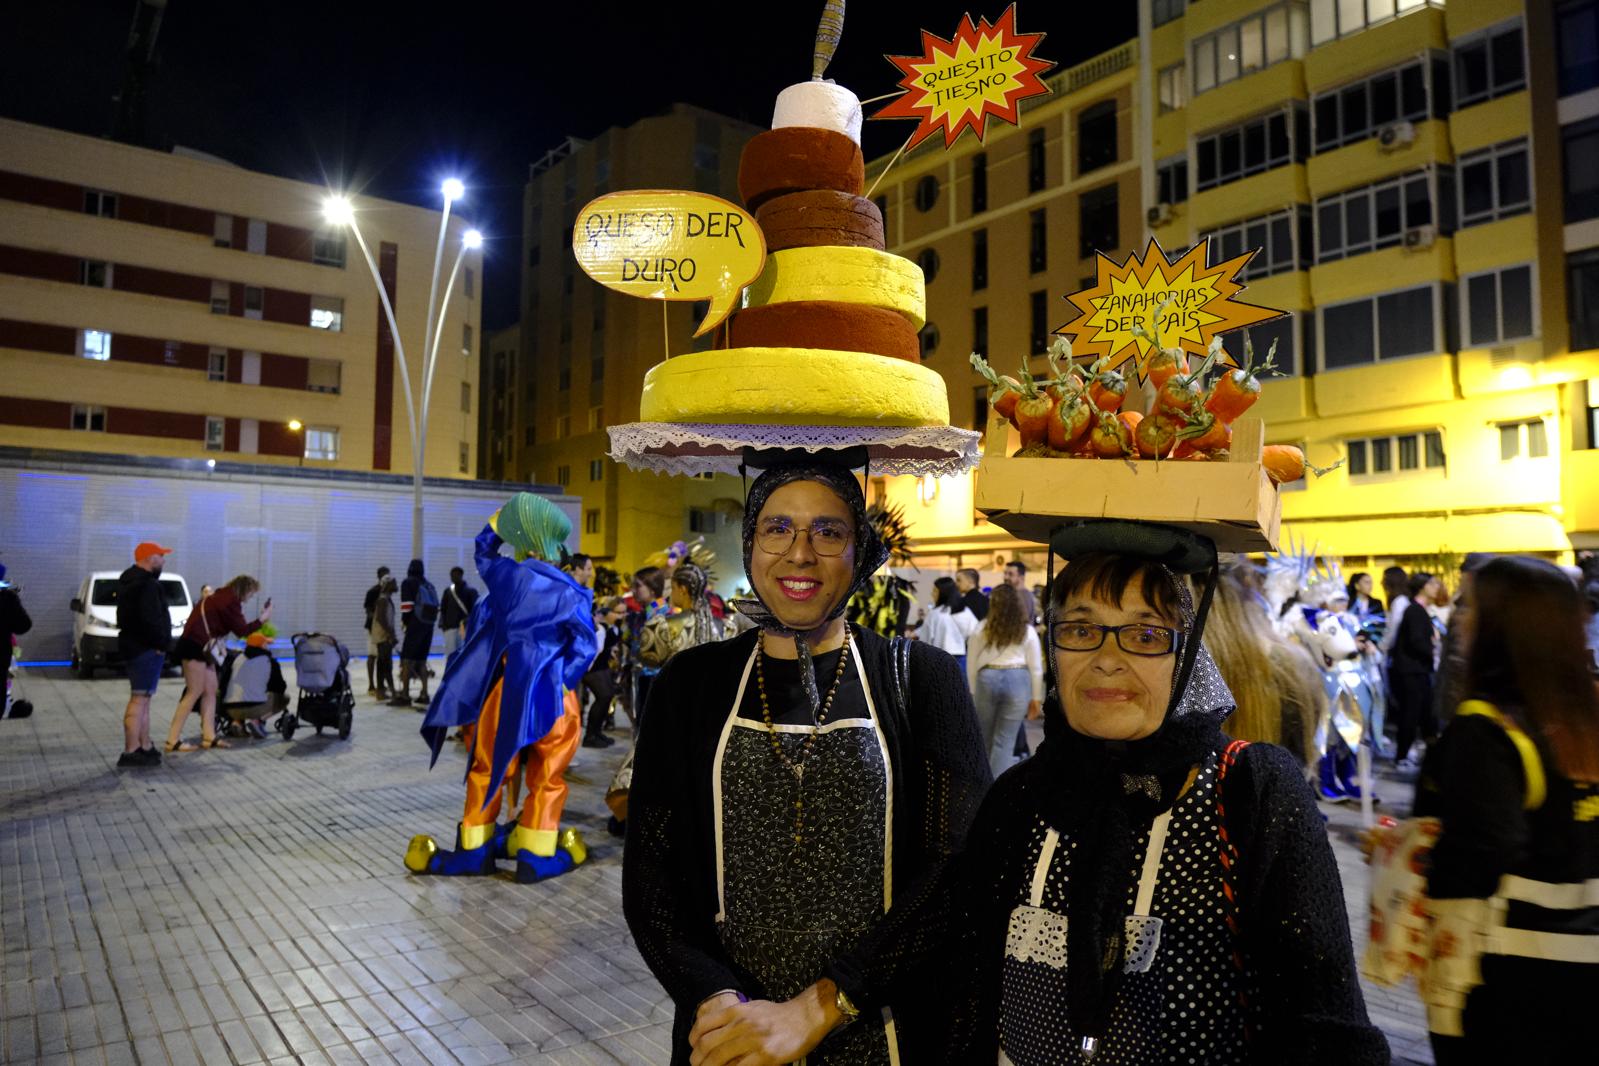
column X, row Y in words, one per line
column 250, row 906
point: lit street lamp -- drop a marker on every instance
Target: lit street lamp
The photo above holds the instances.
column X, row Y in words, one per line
column 339, row 211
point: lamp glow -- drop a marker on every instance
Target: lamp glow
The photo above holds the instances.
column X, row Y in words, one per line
column 210, row 464
column 472, row 238
column 295, row 425
column 453, row 189
column 338, row 210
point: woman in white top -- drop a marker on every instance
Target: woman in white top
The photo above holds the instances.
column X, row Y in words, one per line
column 1005, row 671
column 949, row 625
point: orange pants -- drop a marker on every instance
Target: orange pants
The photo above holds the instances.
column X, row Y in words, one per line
column 544, row 767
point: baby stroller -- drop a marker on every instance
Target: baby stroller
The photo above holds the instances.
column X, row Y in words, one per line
column 326, row 700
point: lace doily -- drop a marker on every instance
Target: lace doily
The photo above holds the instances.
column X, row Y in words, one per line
column 1037, row 934
column 689, row 448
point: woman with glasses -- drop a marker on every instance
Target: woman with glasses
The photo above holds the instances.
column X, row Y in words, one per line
column 790, row 784
column 1143, row 890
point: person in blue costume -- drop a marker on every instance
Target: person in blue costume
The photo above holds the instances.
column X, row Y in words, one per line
column 514, row 680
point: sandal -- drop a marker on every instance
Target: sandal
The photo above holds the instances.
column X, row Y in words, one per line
column 181, row 746
column 215, row 742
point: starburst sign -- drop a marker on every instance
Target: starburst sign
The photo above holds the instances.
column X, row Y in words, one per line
column 953, row 86
column 1203, row 304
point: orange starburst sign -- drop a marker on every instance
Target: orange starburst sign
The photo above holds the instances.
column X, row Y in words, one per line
column 1181, row 304
column 956, row 85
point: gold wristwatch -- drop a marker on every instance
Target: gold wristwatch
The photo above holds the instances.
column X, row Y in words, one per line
column 847, row 1010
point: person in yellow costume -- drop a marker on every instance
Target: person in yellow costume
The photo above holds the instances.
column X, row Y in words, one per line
column 530, row 640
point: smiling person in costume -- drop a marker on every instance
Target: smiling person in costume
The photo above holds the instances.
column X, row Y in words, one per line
column 1116, row 907
column 787, row 790
column 529, row 641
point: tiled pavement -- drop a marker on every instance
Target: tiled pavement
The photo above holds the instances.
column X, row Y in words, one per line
column 249, row 906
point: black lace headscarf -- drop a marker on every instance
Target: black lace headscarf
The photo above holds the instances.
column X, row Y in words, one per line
column 1100, row 792
column 870, row 552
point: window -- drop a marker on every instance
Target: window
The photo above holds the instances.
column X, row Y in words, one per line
column 980, row 407
column 1523, row 440
column 1257, row 42
column 1171, row 181
column 596, row 469
column 222, row 231
column 468, row 283
column 979, row 259
column 1494, row 183
column 596, row 418
column 927, row 259
column 1371, row 329
column 1374, row 216
column 216, row 431
column 1038, row 242
column 94, row 344
column 563, row 378
column 466, row 339
column 563, row 427
column 466, row 397
column 979, row 183
column 1577, row 30
column 1037, row 165
column 591, row 521
column 1404, row 453
column 254, row 299
column 1253, row 147
column 1096, row 138
column 1580, row 162
column 929, row 339
column 1278, row 331
column 1582, row 299
column 95, row 274
column 1172, row 87
column 1489, row 65
column 1355, row 112
column 324, row 375
column 980, row 331
column 327, row 312
column 1164, row 11
column 1040, row 320
column 596, row 368
column 528, row 435
column 1098, row 222
column 464, row 463
column 221, row 300
column 1283, row 240
column 1499, row 306
column 1330, row 19
column 321, row 443
column 103, row 204
column 533, row 256
column 216, row 365
column 926, row 193
column 89, row 418
column 328, row 249
column 701, row 520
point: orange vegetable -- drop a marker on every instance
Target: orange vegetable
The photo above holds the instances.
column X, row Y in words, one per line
column 1283, row 463
column 1068, row 422
column 1165, row 363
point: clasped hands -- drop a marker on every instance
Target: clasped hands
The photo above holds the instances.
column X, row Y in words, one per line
column 728, row 1032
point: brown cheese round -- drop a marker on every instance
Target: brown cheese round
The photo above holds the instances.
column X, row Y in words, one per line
column 825, row 324
column 818, row 218
column 797, row 158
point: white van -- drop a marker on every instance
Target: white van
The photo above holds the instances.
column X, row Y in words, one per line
column 94, row 617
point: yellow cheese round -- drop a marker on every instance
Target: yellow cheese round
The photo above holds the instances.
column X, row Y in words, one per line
column 793, row 386
column 847, row 275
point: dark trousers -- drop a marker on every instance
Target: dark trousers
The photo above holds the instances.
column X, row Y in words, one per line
column 385, row 667
column 602, row 685
column 1410, row 692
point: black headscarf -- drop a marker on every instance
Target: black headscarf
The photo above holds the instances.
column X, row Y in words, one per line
column 870, row 552
column 415, row 569
column 1096, row 792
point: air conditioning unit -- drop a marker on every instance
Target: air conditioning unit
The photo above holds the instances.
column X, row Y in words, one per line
column 1419, row 237
column 1396, row 135
column 1159, row 215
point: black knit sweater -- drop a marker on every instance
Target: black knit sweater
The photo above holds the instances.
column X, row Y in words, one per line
column 669, row 868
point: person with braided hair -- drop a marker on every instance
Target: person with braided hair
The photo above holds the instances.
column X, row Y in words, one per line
column 691, row 624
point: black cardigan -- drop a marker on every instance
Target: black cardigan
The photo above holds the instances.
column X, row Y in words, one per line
column 1305, row 999
column 668, row 871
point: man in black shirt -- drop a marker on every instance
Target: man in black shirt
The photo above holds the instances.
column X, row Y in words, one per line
column 972, row 598
column 372, row 595
column 144, row 634
column 14, row 621
column 455, row 607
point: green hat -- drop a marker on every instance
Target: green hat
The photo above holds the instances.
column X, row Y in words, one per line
column 532, row 525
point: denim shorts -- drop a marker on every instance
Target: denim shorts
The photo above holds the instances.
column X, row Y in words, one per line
column 144, row 672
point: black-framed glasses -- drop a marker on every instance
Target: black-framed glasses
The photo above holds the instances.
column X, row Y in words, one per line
column 775, row 536
column 1136, row 639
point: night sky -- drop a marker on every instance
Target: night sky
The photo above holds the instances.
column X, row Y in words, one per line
column 378, row 98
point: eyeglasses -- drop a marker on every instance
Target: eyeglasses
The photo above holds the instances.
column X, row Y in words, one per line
column 775, row 536
column 1132, row 639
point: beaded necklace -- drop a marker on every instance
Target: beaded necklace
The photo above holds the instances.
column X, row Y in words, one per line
column 797, row 766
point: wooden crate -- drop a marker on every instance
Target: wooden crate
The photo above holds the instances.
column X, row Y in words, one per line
column 1234, row 503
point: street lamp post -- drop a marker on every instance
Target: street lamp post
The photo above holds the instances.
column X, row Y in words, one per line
column 341, row 212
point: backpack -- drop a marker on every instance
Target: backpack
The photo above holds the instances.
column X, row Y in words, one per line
column 426, row 607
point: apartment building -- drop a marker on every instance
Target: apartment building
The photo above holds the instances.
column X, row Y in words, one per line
column 173, row 305
column 497, row 381
column 584, row 350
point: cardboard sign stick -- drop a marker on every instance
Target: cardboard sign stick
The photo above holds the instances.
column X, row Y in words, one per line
column 891, row 162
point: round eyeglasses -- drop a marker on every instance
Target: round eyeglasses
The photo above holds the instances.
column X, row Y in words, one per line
column 1133, row 639
column 775, row 536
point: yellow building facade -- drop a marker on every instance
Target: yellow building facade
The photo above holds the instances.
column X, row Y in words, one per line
column 173, row 305
column 1416, row 174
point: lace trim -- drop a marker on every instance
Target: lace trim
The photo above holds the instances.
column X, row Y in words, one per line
column 688, row 448
column 1039, row 935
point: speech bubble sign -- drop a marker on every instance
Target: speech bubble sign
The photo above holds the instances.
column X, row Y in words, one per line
column 985, row 71
column 1182, row 303
column 665, row 244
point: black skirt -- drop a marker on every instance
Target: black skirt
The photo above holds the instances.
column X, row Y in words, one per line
column 186, row 649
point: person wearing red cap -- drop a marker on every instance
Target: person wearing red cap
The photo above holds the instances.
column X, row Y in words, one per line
column 144, row 633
